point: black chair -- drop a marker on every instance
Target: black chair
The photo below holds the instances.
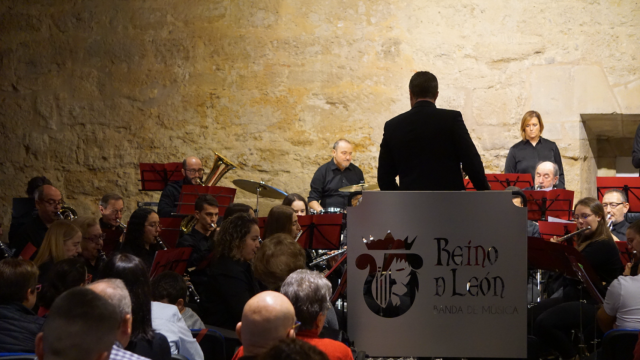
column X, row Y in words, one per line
column 17, row 356
column 212, row 344
column 631, row 217
column 618, row 344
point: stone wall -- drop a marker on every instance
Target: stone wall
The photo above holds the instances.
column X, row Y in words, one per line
column 88, row 89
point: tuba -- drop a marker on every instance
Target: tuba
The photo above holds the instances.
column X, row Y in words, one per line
column 221, row 166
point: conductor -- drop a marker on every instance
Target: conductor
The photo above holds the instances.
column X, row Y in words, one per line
column 426, row 146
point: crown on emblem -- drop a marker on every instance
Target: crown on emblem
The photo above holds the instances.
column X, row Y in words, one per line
column 390, row 243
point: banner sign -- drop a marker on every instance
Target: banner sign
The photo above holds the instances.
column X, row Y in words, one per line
column 438, row 274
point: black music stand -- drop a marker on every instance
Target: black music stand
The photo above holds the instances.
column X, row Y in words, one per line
column 629, row 185
column 557, row 203
column 156, row 176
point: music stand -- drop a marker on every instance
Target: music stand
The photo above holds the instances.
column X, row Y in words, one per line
column 468, row 186
column 551, row 229
column 626, row 255
column 170, row 231
column 190, row 193
column 156, row 176
column 502, row 181
column 170, row 260
column 320, row 232
column 629, row 185
column 557, row 203
column 28, row 251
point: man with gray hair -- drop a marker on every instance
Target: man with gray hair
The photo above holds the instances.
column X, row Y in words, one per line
column 309, row 293
column 547, row 175
column 117, row 294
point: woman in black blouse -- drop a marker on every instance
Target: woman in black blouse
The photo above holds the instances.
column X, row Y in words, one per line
column 140, row 238
column 231, row 279
column 524, row 156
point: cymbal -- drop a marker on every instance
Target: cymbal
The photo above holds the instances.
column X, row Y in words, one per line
column 360, row 187
column 265, row 190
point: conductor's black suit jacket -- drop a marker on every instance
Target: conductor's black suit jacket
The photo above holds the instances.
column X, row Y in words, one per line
column 425, row 147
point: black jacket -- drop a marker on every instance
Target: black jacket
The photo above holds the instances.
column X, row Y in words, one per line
column 18, row 328
column 156, row 349
column 32, row 232
column 425, row 147
column 168, row 199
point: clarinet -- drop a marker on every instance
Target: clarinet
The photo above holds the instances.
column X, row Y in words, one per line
column 160, row 243
column 193, row 292
column 102, row 256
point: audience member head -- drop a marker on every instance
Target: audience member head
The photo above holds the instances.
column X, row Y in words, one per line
column 615, row 205
column 81, row 325
column 34, row 183
column 297, row 203
column 309, row 294
column 266, row 318
column 293, row 349
column 278, row 257
column 192, row 170
column 49, row 203
column 169, row 288
column 547, row 175
column 342, row 153
column 92, row 237
column 206, row 213
column 238, row 238
column 111, row 208
column 143, row 228
column 65, row 274
column 237, row 208
column 531, row 126
column 18, row 282
column 423, row 86
column 62, row 241
column 117, row 294
column 589, row 212
column 132, row 271
column 281, row 219
column 517, row 200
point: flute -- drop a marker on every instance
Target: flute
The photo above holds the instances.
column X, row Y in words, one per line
column 566, row 237
column 298, row 235
column 327, row 256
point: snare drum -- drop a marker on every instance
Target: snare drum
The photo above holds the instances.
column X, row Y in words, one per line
column 333, row 210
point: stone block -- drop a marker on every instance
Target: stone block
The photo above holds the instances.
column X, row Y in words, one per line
column 628, row 96
column 592, row 93
column 552, row 93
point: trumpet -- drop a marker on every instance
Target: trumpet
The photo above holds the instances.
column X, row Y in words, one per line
column 121, row 226
column 160, row 243
column 566, row 237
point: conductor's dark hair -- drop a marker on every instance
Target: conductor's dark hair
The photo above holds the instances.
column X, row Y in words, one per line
column 65, row 275
column 17, row 276
column 205, row 199
column 80, row 325
column 293, row 197
column 236, row 208
column 293, row 349
column 134, row 237
column 132, row 271
column 35, row 183
column 168, row 286
column 423, row 85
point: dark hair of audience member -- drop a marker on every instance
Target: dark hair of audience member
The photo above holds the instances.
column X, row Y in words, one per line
column 17, row 276
column 237, row 208
column 293, row 197
column 205, row 199
column 278, row 257
column 35, row 183
column 279, row 220
column 293, row 349
column 65, row 274
column 232, row 234
column 168, row 286
column 81, row 325
column 134, row 236
column 132, row 271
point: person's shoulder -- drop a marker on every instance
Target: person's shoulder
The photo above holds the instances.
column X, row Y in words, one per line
column 548, row 142
column 339, row 350
column 122, row 354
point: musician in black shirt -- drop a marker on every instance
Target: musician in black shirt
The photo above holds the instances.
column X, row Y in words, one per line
column 337, row 173
column 48, row 202
column 193, row 172
column 524, row 156
column 199, row 237
column 616, row 206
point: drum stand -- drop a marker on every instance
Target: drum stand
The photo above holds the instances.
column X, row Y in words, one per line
column 258, row 197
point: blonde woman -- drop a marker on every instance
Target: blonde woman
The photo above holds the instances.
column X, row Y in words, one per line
column 524, row 156
column 62, row 241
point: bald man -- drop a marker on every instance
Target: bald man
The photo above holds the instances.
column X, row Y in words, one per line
column 48, row 203
column 192, row 171
column 267, row 318
column 547, row 175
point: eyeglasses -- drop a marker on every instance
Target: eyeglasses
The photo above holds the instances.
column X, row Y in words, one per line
column 154, row 225
column 612, row 205
column 52, row 202
column 96, row 238
column 581, row 216
column 296, row 326
column 194, row 171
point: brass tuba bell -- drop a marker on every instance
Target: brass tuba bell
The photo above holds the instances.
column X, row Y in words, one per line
column 221, row 166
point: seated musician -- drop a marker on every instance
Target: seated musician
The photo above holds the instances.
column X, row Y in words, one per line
column 49, row 203
column 20, row 216
column 337, row 173
column 633, row 241
column 297, row 203
column 91, row 244
column 199, row 239
column 532, row 226
column 140, row 240
column 278, row 257
column 111, row 208
column 237, row 208
column 547, row 175
column 616, row 205
column 282, row 219
column 193, row 172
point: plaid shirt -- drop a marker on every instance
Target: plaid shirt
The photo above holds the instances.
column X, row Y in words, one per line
column 118, row 353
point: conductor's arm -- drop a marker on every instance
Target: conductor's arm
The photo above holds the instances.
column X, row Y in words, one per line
column 471, row 161
column 387, row 170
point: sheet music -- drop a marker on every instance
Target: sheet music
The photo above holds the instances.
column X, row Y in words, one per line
column 558, row 220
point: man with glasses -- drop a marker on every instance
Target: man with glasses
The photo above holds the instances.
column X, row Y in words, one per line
column 48, row 203
column 616, row 206
column 111, row 208
column 193, row 172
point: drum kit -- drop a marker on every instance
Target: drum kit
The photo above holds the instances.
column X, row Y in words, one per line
column 268, row 191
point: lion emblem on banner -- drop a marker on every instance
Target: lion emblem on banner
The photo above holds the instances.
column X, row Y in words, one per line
column 391, row 287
